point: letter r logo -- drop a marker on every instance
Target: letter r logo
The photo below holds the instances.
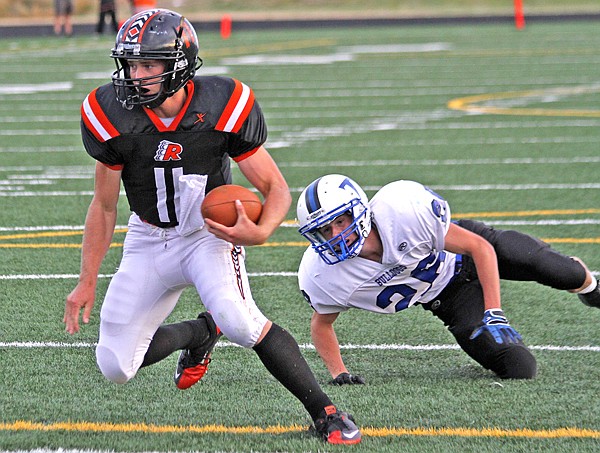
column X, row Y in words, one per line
column 168, row 151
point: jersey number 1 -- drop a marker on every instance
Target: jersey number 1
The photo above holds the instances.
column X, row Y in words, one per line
column 166, row 195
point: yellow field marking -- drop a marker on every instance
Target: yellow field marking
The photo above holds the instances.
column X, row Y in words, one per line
column 541, row 212
column 285, row 244
column 50, row 246
column 483, row 432
column 571, row 240
column 466, row 104
column 52, row 234
column 23, row 425
column 493, row 214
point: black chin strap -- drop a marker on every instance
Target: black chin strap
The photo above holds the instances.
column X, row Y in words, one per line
column 162, row 97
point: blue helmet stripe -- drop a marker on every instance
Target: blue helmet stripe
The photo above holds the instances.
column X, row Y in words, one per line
column 311, row 197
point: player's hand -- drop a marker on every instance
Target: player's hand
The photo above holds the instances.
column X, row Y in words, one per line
column 244, row 232
column 496, row 323
column 347, row 378
column 82, row 297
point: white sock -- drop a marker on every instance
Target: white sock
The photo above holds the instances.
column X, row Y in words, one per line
column 591, row 287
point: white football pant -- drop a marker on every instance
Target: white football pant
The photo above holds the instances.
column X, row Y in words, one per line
column 156, row 266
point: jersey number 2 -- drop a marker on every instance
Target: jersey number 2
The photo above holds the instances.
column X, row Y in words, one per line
column 426, row 272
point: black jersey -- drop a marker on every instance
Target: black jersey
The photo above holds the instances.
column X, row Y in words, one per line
column 220, row 120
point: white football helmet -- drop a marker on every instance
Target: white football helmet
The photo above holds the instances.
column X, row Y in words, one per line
column 324, row 200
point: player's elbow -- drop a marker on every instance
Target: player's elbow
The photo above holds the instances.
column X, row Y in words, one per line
column 481, row 250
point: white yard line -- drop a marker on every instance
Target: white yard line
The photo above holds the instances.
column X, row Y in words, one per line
column 308, row 346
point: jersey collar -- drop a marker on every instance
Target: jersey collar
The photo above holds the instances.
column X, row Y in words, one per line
column 189, row 88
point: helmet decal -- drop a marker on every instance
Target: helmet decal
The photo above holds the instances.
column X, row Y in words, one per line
column 133, row 33
column 312, row 199
column 187, row 33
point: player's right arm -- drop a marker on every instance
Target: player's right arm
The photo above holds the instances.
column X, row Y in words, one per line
column 98, row 232
column 326, row 342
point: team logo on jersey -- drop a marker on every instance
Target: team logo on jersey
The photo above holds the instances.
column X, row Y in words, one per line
column 200, row 118
column 168, row 151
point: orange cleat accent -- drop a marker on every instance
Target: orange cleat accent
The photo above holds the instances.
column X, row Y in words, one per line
column 337, row 427
column 193, row 363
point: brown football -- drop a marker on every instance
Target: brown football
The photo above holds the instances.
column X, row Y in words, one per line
column 219, row 204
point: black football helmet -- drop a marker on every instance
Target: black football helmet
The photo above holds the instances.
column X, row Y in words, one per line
column 156, row 34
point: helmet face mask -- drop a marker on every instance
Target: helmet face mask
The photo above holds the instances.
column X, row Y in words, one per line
column 156, row 34
column 321, row 203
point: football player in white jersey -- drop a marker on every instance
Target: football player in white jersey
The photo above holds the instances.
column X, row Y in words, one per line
column 169, row 136
column 402, row 249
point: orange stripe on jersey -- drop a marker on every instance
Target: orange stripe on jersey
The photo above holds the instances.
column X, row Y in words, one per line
column 237, row 109
column 245, row 112
column 114, row 167
column 96, row 120
column 246, row 155
column 233, row 100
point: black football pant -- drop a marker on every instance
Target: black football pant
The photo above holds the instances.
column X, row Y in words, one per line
column 460, row 305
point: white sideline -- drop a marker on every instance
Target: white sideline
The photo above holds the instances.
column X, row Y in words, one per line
column 73, row 450
column 308, row 346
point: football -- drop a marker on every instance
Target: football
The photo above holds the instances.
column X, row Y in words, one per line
column 219, row 204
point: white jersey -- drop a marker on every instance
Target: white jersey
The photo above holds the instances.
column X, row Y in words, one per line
column 412, row 222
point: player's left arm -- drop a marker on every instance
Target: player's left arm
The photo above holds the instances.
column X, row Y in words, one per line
column 459, row 240
column 262, row 172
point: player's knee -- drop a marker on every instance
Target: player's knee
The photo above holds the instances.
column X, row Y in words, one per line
column 109, row 365
column 239, row 326
column 244, row 333
column 516, row 362
column 241, row 335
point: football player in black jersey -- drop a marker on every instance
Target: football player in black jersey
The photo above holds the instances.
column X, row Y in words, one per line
column 169, row 136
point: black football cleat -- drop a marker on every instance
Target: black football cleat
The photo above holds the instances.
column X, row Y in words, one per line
column 337, row 427
column 591, row 299
column 193, row 363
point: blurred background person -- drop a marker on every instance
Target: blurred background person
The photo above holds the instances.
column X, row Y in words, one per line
column 107, row 8
column 63, row 10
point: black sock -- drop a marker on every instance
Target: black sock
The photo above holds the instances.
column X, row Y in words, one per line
column 280, row 354
column 173, row 337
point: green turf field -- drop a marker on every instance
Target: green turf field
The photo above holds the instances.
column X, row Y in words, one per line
column 503, row 123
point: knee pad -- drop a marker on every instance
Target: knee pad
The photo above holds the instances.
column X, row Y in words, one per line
column 512, row 361
column 515, row 362
column 241, row 329
column 240, row 335
column 109, row 365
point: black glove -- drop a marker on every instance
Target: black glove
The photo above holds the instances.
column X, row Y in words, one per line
column 347, row 378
